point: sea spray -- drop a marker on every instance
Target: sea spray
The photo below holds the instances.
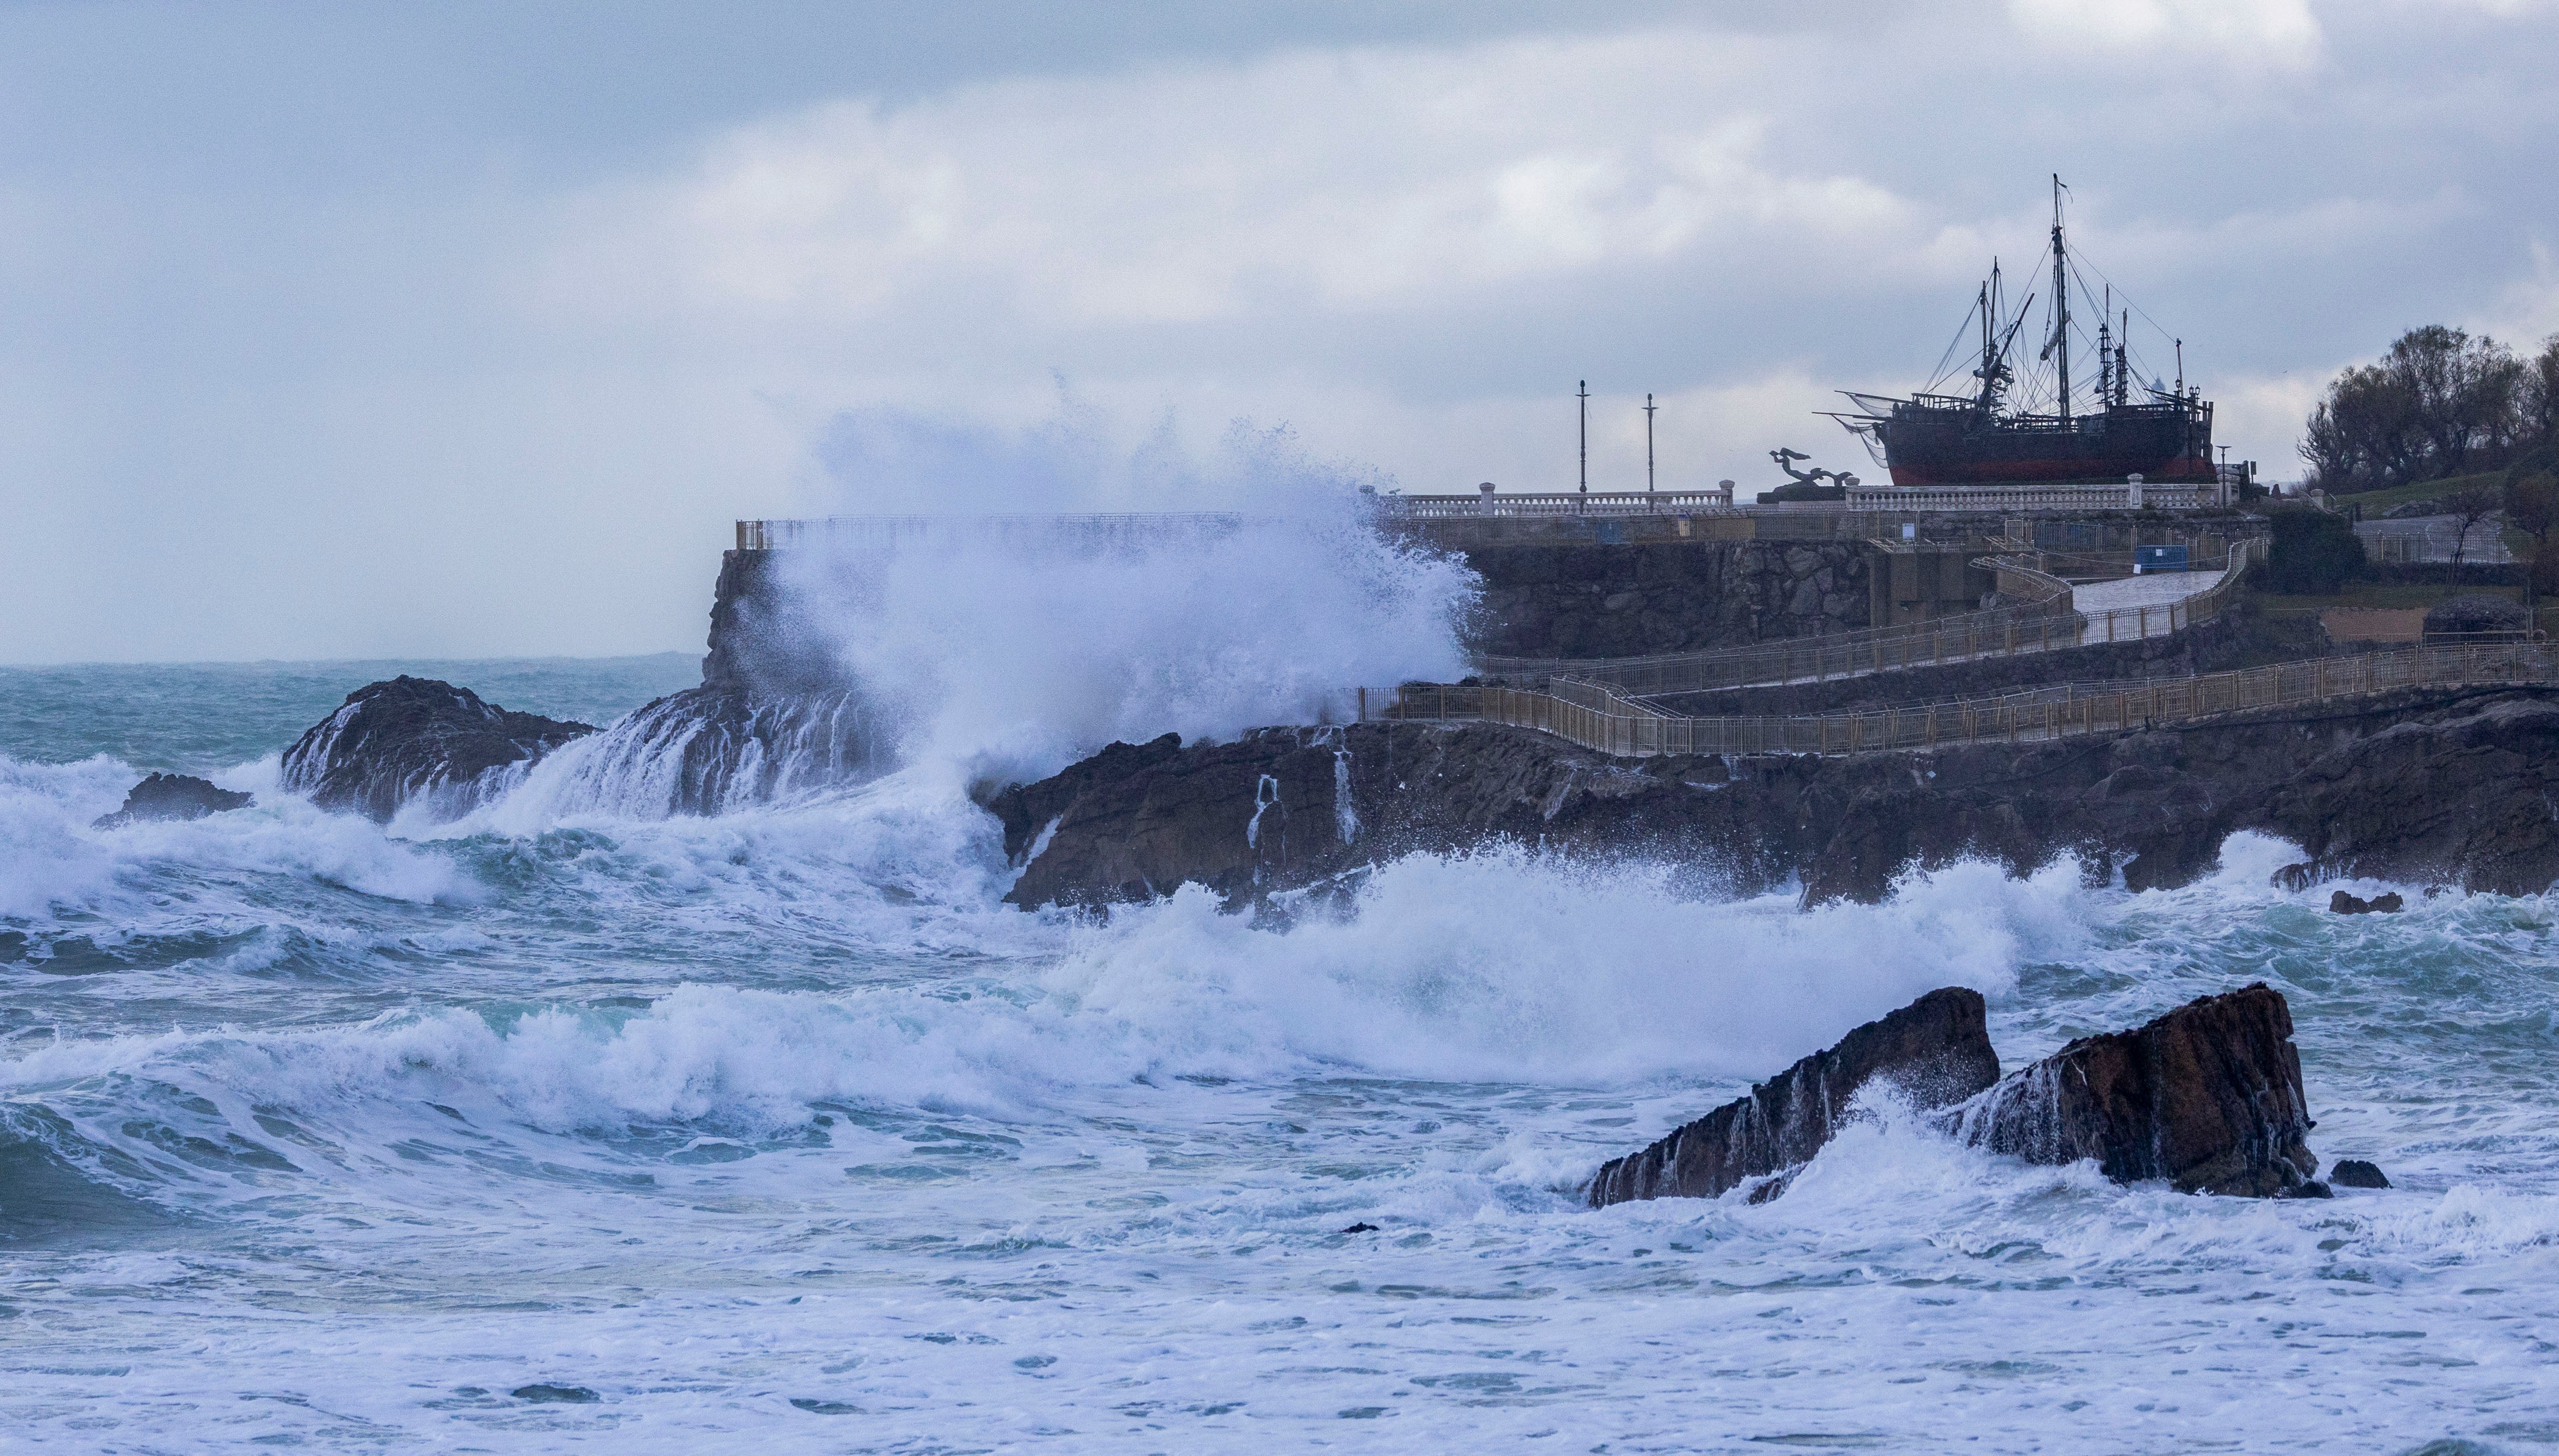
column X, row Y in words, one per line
column 1018, row 643
column 777, row 1124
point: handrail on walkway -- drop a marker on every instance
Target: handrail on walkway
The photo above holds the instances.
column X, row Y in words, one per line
column 1611, row 724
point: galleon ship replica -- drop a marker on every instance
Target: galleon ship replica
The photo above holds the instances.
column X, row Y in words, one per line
column 2037, row 429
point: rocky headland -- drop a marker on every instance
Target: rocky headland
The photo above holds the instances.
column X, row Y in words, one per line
column 2449, row 786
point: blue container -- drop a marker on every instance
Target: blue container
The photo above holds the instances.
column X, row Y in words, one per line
column 2157, row 559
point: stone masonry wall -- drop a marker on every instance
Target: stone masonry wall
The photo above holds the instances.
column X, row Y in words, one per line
column 1602, row 601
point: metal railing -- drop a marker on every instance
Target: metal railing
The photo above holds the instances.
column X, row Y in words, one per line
column 869, row 531
column 1559, row 502
column 1599, row 719
column 2034, row 498
column 2048, row 622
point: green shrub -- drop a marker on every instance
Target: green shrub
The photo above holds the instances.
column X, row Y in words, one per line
column 2314, row 552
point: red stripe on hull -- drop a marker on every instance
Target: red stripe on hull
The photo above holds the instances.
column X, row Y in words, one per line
column 2186, row 471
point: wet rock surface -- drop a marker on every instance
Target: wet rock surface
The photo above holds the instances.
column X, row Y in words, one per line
column 711, row 749
column 2356, row 1173
column 1936, row 1050
column 2442, row 785
column 416, row 737
column 2207, row 1097
column 2343, row 903
column 172, row 797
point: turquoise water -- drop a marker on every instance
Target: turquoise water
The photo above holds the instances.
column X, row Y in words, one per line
column 643, row 1134
column 197, row 718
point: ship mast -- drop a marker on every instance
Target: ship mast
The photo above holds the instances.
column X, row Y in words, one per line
column 2060, row 343
column 1990, row 363
column 2106, row 350
column 2123, row 376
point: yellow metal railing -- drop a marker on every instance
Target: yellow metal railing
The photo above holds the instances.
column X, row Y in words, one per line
column 2048, row 623
column 1597, row 718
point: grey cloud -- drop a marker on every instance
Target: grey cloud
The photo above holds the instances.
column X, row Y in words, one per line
column 381, row 329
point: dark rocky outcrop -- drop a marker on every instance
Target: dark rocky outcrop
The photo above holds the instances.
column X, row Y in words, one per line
column 2476, row 611
column 412, row 738
column 763, row 639
column 2356, row 1173
column 2341, row 902
column 2207, row 1097
column 711, row 749
column 1936, row 1050
column 2447, row 783
column 2294, row 877
column 172, row 797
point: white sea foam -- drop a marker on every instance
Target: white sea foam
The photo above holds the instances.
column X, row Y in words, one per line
column 51, row 860
column 1018, row 653
column 750, row 1123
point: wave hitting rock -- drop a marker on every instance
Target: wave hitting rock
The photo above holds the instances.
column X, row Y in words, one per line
column 1936, row 1050
column 2207, row 1097
column 416, row 737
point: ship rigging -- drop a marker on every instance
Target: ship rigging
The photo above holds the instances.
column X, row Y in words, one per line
column 2039, row 428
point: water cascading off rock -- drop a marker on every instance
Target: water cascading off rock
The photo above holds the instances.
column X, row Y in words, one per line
column 2207, row 1098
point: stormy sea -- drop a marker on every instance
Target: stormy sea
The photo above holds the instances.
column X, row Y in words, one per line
column 569, row 1123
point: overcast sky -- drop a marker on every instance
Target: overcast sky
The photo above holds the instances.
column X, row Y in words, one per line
column 345, row 329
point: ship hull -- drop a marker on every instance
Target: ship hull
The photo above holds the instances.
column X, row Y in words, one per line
column 1945, row 447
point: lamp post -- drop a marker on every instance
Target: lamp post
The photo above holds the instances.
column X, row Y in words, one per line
column 1585, row 397
column 1648, row 441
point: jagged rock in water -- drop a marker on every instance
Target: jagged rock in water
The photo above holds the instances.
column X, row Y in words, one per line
column 2341, row 902
column 2294, row 877
column 171, row 796
column 1936, row 1050
column 2208, row 1098
column 416, row 738
column 2356, row 1173
column 711, row 749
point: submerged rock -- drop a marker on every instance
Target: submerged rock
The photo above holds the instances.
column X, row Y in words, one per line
column 2208, row 1098
column 2341, row 902
column 415, row 737
column 2294, row 877
column 1936, row 1050
column 172, row 797
column 2356, row 1173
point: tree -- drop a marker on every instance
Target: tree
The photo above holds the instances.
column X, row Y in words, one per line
column 2314, row 552
column 2538, row 406
column 2532, row 498
column 2364, row 435
column 2439, row 403
column 2468, row 508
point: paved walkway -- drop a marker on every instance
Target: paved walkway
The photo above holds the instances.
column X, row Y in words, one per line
column 2156, row 589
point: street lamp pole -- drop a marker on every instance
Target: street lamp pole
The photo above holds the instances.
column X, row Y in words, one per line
column 1585, row 397
column 1648, row 440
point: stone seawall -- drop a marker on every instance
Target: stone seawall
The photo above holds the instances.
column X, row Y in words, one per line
column 1549, row 599
column 1604, row 601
